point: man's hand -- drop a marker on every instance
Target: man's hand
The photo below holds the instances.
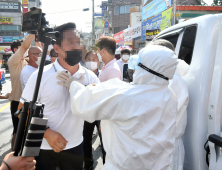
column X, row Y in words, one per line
column 66, row 79
column 18, row 162
column 7, row 95
column 55, row 140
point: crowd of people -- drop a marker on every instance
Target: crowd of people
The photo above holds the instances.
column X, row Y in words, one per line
column 140, row 124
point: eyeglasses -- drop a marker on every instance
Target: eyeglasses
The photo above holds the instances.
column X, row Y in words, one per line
column 40, row 54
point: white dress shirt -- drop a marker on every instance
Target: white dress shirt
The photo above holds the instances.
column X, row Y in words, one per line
column 25, row 74
column 57, row 103
column 120, row 62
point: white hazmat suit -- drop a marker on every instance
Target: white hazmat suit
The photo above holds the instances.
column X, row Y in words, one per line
column 179, row 87
column 138, row 120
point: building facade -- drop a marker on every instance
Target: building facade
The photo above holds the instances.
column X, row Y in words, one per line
column 120, row 12
column 10, row 21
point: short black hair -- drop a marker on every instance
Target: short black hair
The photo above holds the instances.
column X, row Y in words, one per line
column 88, row 54
column 164, row 43
column 62, row 28
column 109, row 43
column 53, row 53
column 125, row 51
column 16, row 44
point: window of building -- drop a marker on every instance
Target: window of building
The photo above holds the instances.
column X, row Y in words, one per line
column 127, row 9
column 116, row 30
column 122, row 9
column 122, row 28
column 10, row 28
column 116, row 10
column 187, row 44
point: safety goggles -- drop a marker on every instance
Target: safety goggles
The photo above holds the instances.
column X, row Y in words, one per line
column 135, row 63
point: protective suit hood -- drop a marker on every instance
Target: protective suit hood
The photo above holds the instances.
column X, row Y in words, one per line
column 159, row 59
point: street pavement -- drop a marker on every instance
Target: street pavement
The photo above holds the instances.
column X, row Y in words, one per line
column 6, row 129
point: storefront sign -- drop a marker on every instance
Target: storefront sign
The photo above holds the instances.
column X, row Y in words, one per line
column 161, row 21
column 5, row 49
column 150, row 34
column 155, row 7
column 6, row 20
column 9, row 39
column 25, row 2
column 119, row 37
column 10, row 7
column 132, row 32
column 1, row 39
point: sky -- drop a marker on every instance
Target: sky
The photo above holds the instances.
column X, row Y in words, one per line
column 56, row 12
column 63, row 11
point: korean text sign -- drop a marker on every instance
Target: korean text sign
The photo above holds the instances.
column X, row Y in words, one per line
column 155, row 7
column 161, row 21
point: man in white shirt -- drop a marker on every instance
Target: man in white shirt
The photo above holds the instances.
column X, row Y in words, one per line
column 62, row 144
column 125, row 55
column 35, row 55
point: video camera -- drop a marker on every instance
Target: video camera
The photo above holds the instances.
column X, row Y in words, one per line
column 32, row 125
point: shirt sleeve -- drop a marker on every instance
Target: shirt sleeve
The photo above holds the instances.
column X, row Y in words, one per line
column 98, row 102
column 28, row 91
column 15, row 58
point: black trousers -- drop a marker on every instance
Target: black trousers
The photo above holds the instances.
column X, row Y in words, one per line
column 70, row 159
column 87, row 144
column 15, row 120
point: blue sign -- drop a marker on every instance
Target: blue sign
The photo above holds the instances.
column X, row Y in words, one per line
column 106, row 24
column 161, row 21
column 3, row 78
column 10, row 7
column 155, row 7
column 98, row 15
column 104, row 7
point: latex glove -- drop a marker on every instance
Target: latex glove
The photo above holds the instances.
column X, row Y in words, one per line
column 66, row 79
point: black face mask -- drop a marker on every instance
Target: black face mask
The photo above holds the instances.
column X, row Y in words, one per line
column 73, row 57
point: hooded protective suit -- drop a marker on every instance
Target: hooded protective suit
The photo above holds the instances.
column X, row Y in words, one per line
column 179, row 87
column 138, row 120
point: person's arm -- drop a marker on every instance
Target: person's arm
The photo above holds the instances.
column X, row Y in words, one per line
column 5, row 97
column 100, row 102
column 18, row 162
column 18, row 56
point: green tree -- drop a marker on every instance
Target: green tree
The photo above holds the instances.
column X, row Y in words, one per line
column 217, row 3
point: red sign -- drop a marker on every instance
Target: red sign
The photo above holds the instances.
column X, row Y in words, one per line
column 119, row 37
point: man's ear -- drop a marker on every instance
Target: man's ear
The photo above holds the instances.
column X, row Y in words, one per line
column 56, row 48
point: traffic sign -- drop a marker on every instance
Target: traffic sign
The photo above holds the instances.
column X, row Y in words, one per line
column 106, row 24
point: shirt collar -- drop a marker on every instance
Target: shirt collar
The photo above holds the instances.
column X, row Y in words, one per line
column 111, row 62
column 59, row 68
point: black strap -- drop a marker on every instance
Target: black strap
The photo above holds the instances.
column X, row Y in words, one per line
column 153, row 72
column 7, row 165
column 207, row 148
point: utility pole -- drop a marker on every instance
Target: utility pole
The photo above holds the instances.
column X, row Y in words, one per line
column 174, row 11
column 93, row 30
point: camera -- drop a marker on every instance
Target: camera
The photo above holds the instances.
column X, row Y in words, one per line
column 34, row 22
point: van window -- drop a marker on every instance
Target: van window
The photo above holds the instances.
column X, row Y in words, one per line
column 172, row 36
column 187, row 44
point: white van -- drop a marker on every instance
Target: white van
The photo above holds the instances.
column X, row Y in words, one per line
column 199, row 43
